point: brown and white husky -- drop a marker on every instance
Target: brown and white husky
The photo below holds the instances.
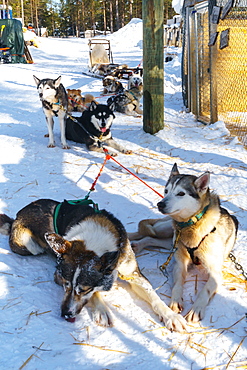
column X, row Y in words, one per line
column 92, row 250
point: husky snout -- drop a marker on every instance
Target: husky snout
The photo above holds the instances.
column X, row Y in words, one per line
column 72, row 306
column 162, row 206
column 68, row 316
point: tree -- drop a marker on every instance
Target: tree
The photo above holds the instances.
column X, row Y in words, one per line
column 71, row 17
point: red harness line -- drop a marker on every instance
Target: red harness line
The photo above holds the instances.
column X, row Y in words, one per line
column 96, row 97
column 108, row 156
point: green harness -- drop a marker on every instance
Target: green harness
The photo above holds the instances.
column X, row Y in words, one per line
column 82, row 202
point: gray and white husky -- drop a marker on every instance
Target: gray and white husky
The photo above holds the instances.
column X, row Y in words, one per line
column 128, row 101
column 54, row 101
column 204, row 232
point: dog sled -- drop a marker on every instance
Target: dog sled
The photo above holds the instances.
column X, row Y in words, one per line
column 101, row 62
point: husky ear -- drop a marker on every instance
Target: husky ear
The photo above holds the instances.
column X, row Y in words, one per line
column 109, row 261
column 57, row 82
column 92, row 106
column 57, row 243
column 174, row 171
column 111, row 106
column 36, row 79
column 202, row 183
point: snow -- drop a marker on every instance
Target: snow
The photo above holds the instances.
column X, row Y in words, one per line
column 177, row 5
column 33, row 335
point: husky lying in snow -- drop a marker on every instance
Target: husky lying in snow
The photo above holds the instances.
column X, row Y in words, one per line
column 206, row 234
column 93, row 128
column 92, row 249
column 128, row 101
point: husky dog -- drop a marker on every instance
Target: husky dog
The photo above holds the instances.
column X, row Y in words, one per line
column 77, row 102
column 111, row 85
column 92, row 250
column 204, row 232
column 128, row 102
column 55, row 103
column 93, row 128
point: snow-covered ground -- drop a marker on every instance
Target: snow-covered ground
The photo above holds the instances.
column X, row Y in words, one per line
column 33, row 335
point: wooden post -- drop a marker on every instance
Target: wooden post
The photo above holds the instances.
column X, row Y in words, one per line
column 153, row 65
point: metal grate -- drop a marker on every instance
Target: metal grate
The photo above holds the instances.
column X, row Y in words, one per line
column 215, row 77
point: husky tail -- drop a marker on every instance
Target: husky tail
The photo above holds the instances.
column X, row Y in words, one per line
column 5, row 224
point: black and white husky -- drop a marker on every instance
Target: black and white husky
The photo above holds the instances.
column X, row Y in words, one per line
column 93, row 128
column 92, row 250
column 54, row 101
column 128, row 101
column 204, row 232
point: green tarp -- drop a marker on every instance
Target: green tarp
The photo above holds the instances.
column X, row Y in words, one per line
column 11, row 36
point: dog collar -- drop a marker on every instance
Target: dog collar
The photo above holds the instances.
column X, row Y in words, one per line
column 193, row 219
column 131, row 92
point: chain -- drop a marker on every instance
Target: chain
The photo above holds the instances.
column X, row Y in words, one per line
column 237, row 265
column 164, row 266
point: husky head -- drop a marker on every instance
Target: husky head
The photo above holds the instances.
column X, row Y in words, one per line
column 109, row 81
column 185, row 195
column 101, row 116
column 81, row 272
column 47, row 88
column 135, row 81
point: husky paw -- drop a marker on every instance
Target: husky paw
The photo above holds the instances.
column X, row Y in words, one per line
column 175, row 322
column 112, row 154
column 176, row 306
column 51, row 146
column 126, row 151
column 102, row 317
column 195, row 314
column 65, row 146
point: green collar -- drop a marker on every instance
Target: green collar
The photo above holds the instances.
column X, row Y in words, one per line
column 193, row 219
column 131, row 92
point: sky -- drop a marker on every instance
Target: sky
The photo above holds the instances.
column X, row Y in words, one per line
column 33, row 335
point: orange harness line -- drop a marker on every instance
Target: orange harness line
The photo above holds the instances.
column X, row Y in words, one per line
column 100, row 171
column 108, row 156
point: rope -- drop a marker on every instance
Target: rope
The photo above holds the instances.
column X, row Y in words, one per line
column 126, row 169
column 100, row 171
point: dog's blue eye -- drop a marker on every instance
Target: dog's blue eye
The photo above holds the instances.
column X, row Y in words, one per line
column 181, row 194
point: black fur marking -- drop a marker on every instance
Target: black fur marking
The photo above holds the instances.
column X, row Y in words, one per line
column 188, row 186
column 80, row 134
